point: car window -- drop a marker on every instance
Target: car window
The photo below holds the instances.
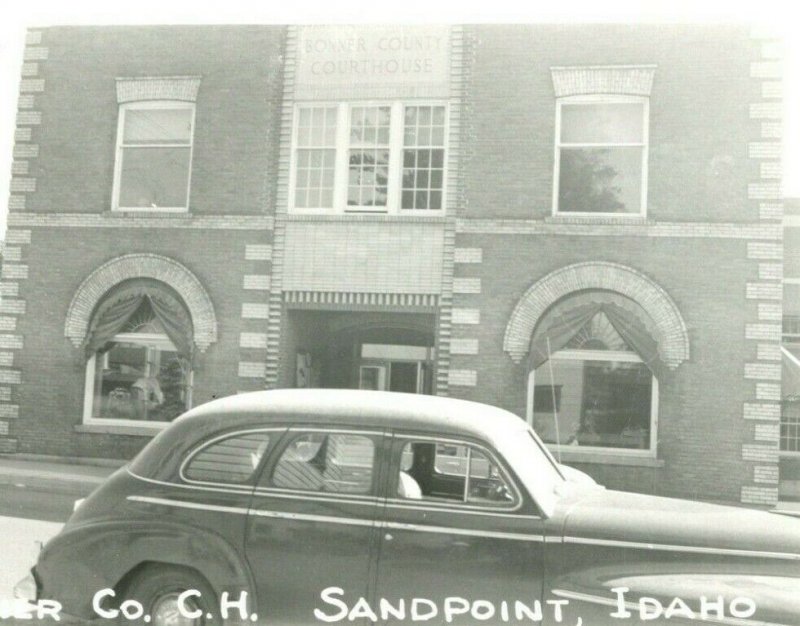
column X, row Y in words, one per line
column 231, row 460
column 451, row 472
column 332, row 462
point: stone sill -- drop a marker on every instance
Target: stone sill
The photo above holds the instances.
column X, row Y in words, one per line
column 602, row 458
column 118, row 429
column 118, row 213
column 634, row 220
column 438, row 218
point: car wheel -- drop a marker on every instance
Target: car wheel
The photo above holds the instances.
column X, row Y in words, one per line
column 158, row 589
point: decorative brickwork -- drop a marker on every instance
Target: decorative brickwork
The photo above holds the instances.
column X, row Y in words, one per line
column 15, row 271
column 462, row 43
column 143, row 220
column 765, row 154
column 631, row 80
column 167, row 270
column 673, row 339
column 274, row 308
column 182, row 88
column 628, row 228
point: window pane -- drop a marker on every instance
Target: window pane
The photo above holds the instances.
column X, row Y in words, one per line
column 314, row 181
column 790, row 396
column 368, row 157
column 602, row 123
column 438, row 471
column 154, row 126
column 139, row 381
column 233, row 460
column 597, row 403
column 327, row 462
column 423, row 158
column 154, row 177
column 600, row 180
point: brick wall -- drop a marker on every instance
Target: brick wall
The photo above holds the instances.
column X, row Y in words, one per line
column 236, row 119
column 699, row 169
column 61, row 228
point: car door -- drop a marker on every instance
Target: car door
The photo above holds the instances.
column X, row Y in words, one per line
column 456, row 526
column 312, row 524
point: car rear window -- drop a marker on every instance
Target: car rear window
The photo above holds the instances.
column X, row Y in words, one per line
column 232, row 460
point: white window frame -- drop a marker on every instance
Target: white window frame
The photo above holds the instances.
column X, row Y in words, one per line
column 120, row 145
column 784, row 336
column 645, row 145
column 342, row 147
column 147, row 340
column 599, row 355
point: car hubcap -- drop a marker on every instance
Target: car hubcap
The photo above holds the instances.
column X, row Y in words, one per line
column 166, row 612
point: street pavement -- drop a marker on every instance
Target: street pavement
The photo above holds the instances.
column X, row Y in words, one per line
column 27, row 517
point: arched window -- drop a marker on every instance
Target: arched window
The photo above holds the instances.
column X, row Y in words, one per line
column 592, row 376
column 139, row 356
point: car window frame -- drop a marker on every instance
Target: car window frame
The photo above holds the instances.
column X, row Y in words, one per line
column 206, row 442
column 397, row 440
column 263, row 485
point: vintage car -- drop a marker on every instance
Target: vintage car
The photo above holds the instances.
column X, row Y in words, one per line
column 323, row 506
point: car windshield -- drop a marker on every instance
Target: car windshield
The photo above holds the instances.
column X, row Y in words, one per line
column 535, row 467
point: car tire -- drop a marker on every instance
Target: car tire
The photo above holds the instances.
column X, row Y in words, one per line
column 157, row 588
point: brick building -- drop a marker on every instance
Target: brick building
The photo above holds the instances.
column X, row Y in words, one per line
column 580, row 224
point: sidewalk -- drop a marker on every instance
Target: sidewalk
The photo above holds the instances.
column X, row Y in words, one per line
column 59, row 476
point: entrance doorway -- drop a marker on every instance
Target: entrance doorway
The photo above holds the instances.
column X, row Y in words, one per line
column 385, row 351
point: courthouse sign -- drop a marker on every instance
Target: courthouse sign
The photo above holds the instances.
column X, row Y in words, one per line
column 372, row 61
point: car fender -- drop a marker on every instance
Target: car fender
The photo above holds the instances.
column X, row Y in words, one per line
column 67, row 572
column 669, row 590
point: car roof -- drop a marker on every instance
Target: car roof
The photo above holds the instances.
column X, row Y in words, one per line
column 377, row 410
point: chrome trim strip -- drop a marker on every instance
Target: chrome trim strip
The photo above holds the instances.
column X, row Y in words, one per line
column 260, row 513
column 189, row 505
column 240, row 489
column 676, row 548
column 330, row 519
column 634, row 606
column 408, row 504
column 325, row 496
column 487, row 534
column 350, row 521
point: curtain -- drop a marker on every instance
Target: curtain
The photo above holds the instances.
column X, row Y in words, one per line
column 566, row 318
column 120, row 305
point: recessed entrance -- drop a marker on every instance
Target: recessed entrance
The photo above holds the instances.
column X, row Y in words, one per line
column 362, row 350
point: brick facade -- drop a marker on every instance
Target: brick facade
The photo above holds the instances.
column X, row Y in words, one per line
column 265, row 285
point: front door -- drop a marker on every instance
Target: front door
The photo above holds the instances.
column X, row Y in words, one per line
column 406, row 369
column 312, row 524
column 458, row 535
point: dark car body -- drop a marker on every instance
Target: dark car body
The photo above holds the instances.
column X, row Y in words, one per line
column 313, row 523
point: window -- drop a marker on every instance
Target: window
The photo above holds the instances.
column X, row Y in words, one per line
column 789, row 461
column 365, row 157
column 233, row 460
column 135, row 373
column 599, row 393
column 453, row 472
column 154, row 154
column 331, row 462
column 601, row 155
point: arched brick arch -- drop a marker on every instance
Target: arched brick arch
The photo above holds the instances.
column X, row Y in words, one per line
column 673, row 339
column 154, row 266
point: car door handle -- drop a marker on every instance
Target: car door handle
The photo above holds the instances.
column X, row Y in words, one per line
column 388, row 537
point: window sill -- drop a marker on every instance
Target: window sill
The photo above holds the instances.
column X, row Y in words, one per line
column 603, row 218
column 437, row 218
column 176, row 213
column 118, row 429
column 603, row 458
